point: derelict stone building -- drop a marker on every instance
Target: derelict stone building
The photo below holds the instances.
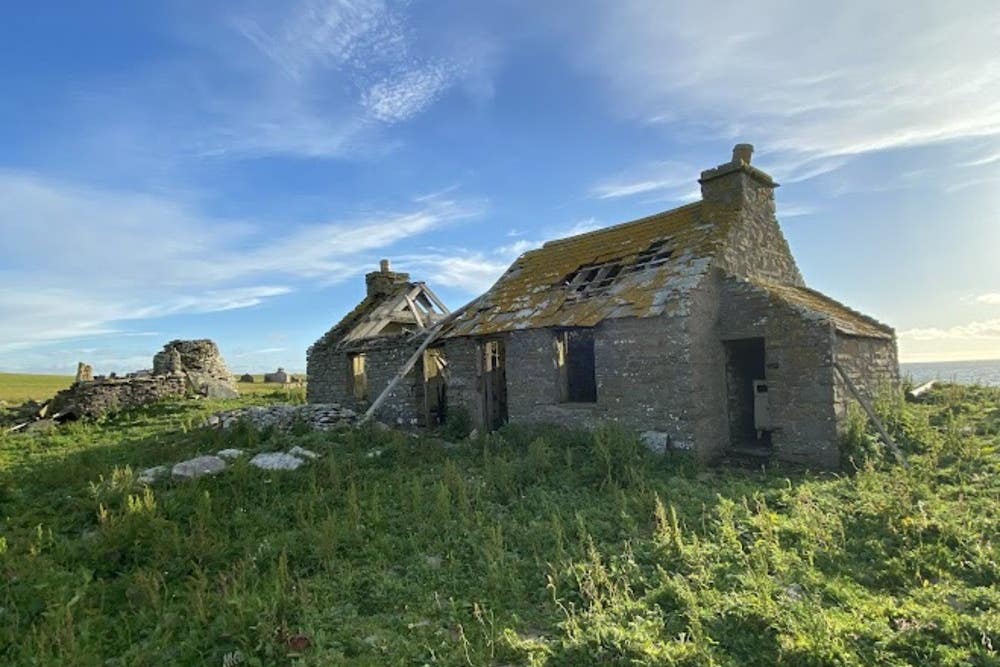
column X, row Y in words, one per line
column 692, row 326
column 359, row 356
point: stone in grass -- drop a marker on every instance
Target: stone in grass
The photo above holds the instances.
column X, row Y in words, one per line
column 229, row 454
column 198, row 467
column 276, row 461
column 150, row 475
column 303, row 453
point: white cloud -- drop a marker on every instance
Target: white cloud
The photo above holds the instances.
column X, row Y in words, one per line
column 334, row 71
column 991, row 158
column 802, row 79
column 474, row 271
column 992, row 298
column 671, row 179
column 399, row 99
column 88, row 260
column 982, row 330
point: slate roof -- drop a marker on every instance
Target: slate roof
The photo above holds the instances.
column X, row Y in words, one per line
column 845, row 319
column 635, row 269
column 640, row 269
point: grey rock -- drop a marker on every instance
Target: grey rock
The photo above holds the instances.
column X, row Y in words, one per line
column 655, row 441
column 229, row 454
column 276, row 461
column 215, row 389
column 198, row 467
column 795, row 592
column 150, row 475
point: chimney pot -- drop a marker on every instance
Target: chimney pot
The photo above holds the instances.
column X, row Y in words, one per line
column 384, row 266
column 742, row 153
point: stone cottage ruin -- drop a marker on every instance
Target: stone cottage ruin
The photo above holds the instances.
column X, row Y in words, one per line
column 182, row 367
column 693, row 326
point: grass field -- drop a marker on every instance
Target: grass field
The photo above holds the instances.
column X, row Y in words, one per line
column 16, row 387
column 527, row 547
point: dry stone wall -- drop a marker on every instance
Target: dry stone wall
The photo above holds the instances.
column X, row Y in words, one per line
column 98, row 397
column 182, row 366
column 198, row 359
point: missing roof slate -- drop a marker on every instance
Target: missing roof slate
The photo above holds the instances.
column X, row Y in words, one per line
column 594, row 279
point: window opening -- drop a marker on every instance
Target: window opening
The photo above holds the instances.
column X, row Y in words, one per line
column 577, row 367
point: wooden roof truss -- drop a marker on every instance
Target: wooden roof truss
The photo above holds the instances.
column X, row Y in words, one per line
column 410, row 310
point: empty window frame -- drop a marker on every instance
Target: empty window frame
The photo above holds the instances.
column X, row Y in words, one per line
column 358, row 377
column 577, row 367
column 657, row 254
column 591, row 279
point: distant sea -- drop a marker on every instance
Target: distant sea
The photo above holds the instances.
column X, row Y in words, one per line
column 964, row 372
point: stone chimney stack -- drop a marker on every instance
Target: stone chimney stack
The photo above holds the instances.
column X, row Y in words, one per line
column 384, row 280
column 739, row 198
column 737, row 184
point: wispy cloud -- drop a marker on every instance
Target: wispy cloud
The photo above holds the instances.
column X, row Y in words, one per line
column 992, row 158
column 803, row 80
column 982, row 330
column 475, row 271
column 667, row 179
column 991, row 298
column 95, row 258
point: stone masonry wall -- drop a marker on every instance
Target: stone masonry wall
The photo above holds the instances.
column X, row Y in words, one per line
column 708, row 372
column 755, row 245
column 99, row 397
column 464, row 377
column 873, row 366
column 199, row 359
column 799, row 371
column 642, row 370
column 327, row 370
column 329, row 373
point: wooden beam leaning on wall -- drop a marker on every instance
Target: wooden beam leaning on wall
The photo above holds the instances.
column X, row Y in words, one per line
column 871, row 415
column 432, row 334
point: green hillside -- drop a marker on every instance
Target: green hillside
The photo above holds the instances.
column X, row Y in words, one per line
column 538, row 547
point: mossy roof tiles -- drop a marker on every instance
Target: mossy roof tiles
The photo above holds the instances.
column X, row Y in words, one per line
column 533, row 294
column 845, row 319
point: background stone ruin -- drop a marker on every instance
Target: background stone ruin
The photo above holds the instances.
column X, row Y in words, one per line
column 201, row 364
column 182, row 367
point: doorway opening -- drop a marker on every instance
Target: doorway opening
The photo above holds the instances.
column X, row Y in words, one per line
column 575, row 360
column 435, row 387
column 494, row 384
column 749, row 419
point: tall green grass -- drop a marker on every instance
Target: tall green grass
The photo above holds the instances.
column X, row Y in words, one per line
column 530, row 546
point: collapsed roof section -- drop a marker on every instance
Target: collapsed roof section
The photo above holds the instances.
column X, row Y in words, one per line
column 402, row 308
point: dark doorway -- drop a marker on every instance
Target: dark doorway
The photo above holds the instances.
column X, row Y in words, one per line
column 575, row 360
column 494, row 384
column 435, row 387
column 745, row 366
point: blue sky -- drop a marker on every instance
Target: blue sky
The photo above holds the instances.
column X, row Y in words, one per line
column 231, row 170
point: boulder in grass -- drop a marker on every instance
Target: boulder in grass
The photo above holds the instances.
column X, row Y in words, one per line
column 247, row 378
column 197, row 467
column 156, row 473
column 217, row 389
column 229, row 454
column 276, row 461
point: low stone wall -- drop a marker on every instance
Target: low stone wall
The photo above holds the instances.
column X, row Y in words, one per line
column 99, row 397
column 319, row 416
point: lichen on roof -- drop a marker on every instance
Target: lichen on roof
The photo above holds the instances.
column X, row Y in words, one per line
column 845, row 319
column 659, row 259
